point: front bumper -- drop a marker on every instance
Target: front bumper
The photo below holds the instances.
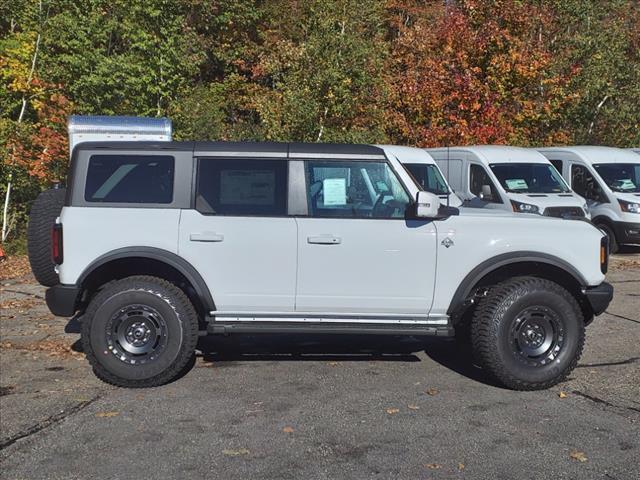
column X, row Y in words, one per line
column 62, row 300
column 599, row 297
column 627, row 232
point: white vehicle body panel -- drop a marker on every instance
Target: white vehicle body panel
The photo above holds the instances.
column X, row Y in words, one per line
column 587, row 156
column 456, row 162
column 90, row 232
column 373, row 266
column 248, row 262
column 480, row 235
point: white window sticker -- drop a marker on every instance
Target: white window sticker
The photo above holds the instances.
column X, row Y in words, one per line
column 335, row 191
column 516, row 184
column 240, row 187
column 626, row 184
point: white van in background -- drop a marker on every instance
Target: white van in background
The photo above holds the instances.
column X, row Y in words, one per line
column 509, row 178
column 425, row 171
column 609, row 179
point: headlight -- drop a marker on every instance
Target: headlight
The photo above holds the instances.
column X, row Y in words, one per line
column 520, row 207
column 629, row 207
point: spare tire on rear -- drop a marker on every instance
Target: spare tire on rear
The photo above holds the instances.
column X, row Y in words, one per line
column 44, row 211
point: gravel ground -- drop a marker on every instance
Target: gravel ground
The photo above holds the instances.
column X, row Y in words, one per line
column 321, row 407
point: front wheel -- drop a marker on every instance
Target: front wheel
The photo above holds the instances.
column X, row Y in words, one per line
column 528, row 333
column 139, row 332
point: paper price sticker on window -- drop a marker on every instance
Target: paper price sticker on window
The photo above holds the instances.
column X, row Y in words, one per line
column 335, row 191
column 516, row 184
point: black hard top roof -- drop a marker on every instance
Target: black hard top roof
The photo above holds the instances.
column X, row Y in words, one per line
column 294, row 149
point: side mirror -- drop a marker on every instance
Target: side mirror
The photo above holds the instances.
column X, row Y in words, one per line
column 427, row 205
column 486, row 194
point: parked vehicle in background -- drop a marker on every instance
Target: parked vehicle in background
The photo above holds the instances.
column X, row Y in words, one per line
column 160, row 242
column 425, row 171
column 609, row 179
column 509, row 178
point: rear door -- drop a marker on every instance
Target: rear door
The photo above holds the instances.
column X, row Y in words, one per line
column 356, row 251
column 239, row 235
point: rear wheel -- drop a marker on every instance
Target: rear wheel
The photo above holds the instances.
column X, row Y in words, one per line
column 139, row 332
column 528, row 333
column 44, row 211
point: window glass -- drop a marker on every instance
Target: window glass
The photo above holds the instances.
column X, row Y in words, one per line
column 529, row 178
column 242, row 187
column 478, row 177
column 354, row 189
column 585, row 185
column 428, row 177
column 621, row 177
column 130, row 179
column 557, row 164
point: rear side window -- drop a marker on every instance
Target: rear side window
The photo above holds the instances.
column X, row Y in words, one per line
column 242, row 187
column 130, row 179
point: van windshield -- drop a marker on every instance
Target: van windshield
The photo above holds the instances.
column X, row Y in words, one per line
column 620, row 177
column 428, row 177
column 529, row 178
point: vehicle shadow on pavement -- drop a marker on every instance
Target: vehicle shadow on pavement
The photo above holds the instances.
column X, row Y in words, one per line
column 449, row 353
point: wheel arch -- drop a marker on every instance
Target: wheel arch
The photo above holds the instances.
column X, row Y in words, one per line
column 129, row 261
column 513, row 264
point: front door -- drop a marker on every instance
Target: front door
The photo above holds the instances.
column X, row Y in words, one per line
column 356, row 251
column 239, row 236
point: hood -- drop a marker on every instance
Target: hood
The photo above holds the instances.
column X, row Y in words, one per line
column 545, row 200
column 628, row 197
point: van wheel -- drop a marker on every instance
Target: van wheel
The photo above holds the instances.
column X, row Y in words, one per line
column 44, row 211
column 613, row 243
column 139, row 332
column 528, row 333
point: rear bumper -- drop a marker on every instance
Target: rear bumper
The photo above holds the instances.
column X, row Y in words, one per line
column 62, row 300
column 627, row 232
column 599, row 297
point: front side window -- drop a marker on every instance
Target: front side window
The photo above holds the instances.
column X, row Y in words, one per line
column 481, row 185
column 355, row 190
column 558, row 165
column 130, row 179
column 529, row 178
column 428, row 177
column 620, row 177
column 242, row 187
column 585, row 185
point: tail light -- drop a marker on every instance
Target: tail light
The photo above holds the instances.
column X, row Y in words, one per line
column 604, row 254
column 56, row 244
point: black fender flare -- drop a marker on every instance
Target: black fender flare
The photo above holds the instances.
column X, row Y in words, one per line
column 490, row 265
column 164, row 256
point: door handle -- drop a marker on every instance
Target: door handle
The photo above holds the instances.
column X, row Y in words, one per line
column 324, row 240
column 206, row 237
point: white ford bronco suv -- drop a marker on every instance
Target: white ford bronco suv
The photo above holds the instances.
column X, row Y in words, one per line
column 160, row 242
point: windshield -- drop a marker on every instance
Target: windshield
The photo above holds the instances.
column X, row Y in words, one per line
column 620, row 177
column 529, row 178
column 428, row 177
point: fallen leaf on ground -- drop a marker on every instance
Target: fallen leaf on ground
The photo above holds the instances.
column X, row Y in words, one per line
column 236, row 453
column 432, row 391
column 333, row 364
column 287, row 429
column 433, row 466
column 413, row 407
column 391, row 411
column 562, row 395
column 461, row 466
column 579, row 456
column 107, row 414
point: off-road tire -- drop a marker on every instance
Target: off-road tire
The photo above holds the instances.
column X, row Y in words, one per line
column 44, row 211
column 613, row 242
column 503, row 309
column 169, row 302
